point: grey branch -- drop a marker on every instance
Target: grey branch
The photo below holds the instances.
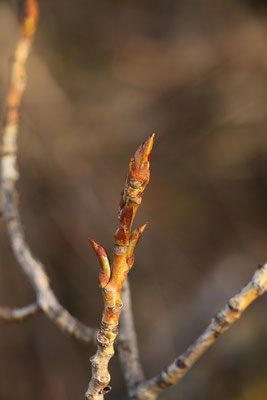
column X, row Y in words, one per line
column 128, row 349
column 19, row 314
column 32, row 267
column 232, row 311
column 35, row 271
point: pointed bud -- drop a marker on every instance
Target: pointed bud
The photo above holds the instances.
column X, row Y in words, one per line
column 139, row 164
column 134, row 239
column 104, row 274
column 143, row 153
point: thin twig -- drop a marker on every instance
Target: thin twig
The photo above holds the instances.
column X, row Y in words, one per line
column 232, row 311
column 19, row 314
column 127, row 346
column 111, row 281
column 32, row 267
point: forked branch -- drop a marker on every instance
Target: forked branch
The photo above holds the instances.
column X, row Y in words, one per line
column 232, row 311
column 33, row 268
column 111, row 280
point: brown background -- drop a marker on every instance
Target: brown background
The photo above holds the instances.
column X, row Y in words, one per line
column 103, row 75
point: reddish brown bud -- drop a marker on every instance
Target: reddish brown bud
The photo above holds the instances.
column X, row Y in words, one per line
column 122, row 236
column 126, row 215
column 136, row 234
column 134, row 239
column 104, row 274
column 143, row 153
column 100, row 251
column 139, row 164
column 138, row 174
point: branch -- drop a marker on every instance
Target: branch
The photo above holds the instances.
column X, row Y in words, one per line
column 19, row 314
column 123, row 258
column 32, row 267
column 232, row 311
column 127, row 346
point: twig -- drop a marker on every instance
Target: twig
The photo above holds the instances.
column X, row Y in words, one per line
column 127, row 346
column 19, row 314
column 111, row 281
column 32, row 267
column 150, row 389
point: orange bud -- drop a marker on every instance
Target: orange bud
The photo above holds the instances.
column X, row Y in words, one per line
column 104, row 274
column 143, row 153
column 134, row 239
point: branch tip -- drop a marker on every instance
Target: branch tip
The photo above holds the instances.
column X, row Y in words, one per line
column 143, row 154
column 31, row 18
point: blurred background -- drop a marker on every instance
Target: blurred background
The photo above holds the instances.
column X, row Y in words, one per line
column 102, row 76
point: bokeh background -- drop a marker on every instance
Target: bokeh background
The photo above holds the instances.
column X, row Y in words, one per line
column 103, row 75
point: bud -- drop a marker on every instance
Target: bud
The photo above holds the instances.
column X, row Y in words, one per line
column 104, row 274
column 134, row 239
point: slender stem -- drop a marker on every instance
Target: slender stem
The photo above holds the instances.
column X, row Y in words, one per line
column 123, row 258
column 232, row 311
column 128, row 348
column 31, row 266
column 19, row 314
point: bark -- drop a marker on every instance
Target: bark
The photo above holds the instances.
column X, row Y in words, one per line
column 232, row 311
